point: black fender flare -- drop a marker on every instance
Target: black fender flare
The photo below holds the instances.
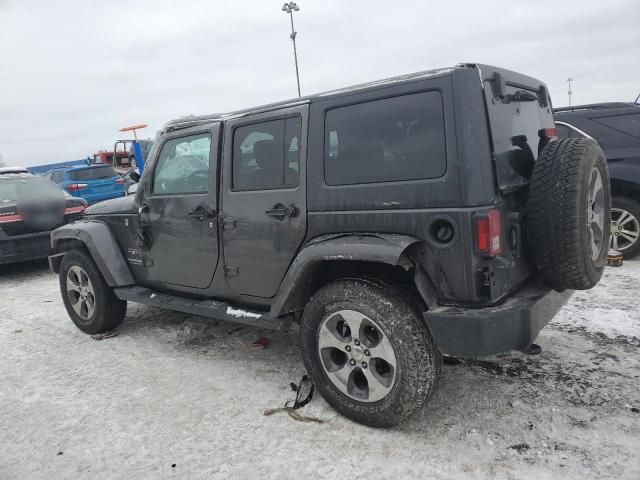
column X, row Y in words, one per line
column 102, row 246
column 366, row 247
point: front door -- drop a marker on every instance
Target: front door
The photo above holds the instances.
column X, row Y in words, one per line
column 264, row 198
column 178, row 210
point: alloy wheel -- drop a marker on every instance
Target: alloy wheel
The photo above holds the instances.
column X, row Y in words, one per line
column 80, row 292
column 625, row 229
column 596, row 213
column 357, row 356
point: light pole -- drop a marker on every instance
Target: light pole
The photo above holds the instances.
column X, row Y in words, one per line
column 569, row 80
column 290, row 8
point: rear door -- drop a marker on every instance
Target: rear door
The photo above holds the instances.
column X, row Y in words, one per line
column 264, row 198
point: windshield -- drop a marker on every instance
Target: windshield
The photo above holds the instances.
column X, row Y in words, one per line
column 11, row 189
column 95, row 173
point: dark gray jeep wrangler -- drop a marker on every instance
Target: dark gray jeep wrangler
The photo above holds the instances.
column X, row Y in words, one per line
column 395, row 221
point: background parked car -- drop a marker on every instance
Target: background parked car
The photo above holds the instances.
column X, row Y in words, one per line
column 94, row 183
column 616, row 127
column 122, row 156
column 30, row 207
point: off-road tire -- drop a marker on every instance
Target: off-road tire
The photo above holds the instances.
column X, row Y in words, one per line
column 109, row 310
column 418, row 360
column 558, row 213
column 633, row 207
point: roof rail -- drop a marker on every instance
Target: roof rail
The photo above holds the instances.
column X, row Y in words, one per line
column 595, row 106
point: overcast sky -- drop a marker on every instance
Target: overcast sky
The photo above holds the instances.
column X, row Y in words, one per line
column 73, row 72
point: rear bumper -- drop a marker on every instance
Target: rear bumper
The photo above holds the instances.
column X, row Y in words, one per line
column 20, row 248
column 513, row 325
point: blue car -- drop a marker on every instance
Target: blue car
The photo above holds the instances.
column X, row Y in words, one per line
column 94, row 183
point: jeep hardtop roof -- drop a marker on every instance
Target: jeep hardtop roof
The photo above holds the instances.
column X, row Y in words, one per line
column 193, row 120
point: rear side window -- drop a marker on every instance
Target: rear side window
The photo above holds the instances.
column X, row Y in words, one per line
column 92, row 173
column 14, row 189
column 266, row 155
column 57, row 177
column 394, row 139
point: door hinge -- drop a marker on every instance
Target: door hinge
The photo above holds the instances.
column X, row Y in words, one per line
column 230, row 270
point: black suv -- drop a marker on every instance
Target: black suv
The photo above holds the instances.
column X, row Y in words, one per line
column 395, row 221
column 616, row 127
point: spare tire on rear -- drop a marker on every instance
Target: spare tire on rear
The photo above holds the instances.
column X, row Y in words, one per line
column 568, row 215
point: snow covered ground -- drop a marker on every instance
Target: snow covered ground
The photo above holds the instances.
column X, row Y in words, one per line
column 177, row 396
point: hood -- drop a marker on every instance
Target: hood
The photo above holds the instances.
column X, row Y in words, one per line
column 117, row 205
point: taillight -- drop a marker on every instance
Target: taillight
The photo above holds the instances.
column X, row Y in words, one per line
column 489, row 233
column 120, row 181
column 10, row 218
column 74, row 187
column 79, row 209
column 548, row 132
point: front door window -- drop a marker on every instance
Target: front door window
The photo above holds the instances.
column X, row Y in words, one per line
column 183, row 166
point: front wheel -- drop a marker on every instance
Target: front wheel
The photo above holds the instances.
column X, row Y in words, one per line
column 369, row 351
column 90, row 302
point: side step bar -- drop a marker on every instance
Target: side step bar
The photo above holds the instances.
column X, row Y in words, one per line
column 206, row 308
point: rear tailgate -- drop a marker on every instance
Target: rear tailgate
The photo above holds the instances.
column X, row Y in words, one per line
column 519, row 110
column 521, row 123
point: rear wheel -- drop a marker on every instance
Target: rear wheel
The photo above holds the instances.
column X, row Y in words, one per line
column 625, row 226
column 89, row 301
column 369, row 351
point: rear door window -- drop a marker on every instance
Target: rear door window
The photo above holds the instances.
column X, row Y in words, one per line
column 387, row 140
column 92, row 173
column 266, row 155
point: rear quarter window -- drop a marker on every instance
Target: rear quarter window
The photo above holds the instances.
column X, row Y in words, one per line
column 92, row 173
column 392, row 139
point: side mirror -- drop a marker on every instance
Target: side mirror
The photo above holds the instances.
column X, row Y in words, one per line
column 135, row 176
column 132, row 189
